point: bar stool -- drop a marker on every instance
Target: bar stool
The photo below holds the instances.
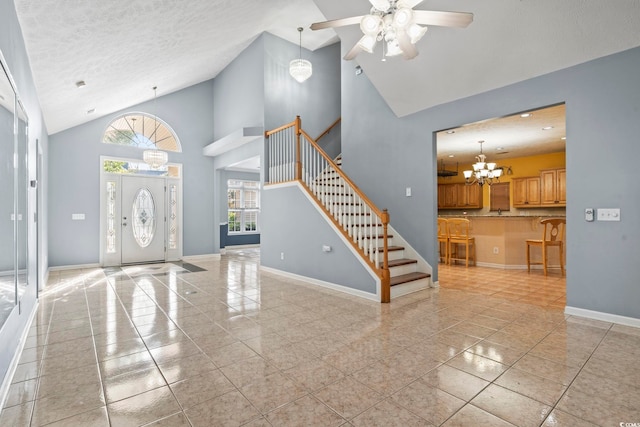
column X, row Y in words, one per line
column 552, row 235
column 443, row 237
column 458, row 233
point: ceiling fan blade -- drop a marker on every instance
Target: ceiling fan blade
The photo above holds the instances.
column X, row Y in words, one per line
column 409, row 50
column 443, row 19
column 355, row 50
column 336, row 23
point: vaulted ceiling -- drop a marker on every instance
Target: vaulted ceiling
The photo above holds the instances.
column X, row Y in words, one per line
column 122, row 48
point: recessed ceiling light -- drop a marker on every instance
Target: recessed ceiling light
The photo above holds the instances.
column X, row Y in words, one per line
column 564, row 138
column 91, row 111
column 449, row 132
column 451, row 155
column 547, row 128
column 525, row 115
column 80, row 84
column 499, row 148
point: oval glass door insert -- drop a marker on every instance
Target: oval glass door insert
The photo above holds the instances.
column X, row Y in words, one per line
column 143, row 216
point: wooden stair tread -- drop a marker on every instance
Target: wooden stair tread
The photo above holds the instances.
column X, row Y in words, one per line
column 390, row 249
column 409, row 277
column 401, row 261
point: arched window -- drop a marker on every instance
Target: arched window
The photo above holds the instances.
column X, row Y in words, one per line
column 141, row 130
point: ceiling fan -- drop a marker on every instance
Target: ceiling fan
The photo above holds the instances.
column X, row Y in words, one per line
column 396, row 25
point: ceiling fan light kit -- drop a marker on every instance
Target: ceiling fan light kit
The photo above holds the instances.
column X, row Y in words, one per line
column 396, row 25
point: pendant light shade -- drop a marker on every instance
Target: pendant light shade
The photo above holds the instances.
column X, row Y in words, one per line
column 300, row 69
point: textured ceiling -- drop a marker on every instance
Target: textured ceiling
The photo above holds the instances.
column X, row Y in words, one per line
column 121, row 48
column 508, row 41
column 505, row 137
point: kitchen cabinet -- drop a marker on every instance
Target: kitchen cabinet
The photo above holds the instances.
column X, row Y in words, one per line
column 553, row 187
column 459, row 196
column 526, row 192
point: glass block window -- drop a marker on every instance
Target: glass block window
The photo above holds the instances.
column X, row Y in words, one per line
column 111, row 217
column 143, row 215
column 173, row 216
column 243, row 199
column 143, row 131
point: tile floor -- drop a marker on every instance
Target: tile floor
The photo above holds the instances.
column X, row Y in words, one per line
column 165, row 346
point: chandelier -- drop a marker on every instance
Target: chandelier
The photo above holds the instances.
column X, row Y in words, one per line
column 300, row 69
column 155, row 158
column 483, row 172
column 392, row 23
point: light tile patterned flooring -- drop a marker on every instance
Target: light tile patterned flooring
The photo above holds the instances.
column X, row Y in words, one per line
column 235, row 346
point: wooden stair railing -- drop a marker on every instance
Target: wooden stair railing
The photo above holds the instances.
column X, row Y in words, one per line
column 294, row 156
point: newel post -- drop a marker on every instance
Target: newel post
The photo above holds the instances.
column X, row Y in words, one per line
column 298, row 157
column 385, row 280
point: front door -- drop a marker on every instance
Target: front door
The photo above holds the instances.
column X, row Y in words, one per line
column 143, row 219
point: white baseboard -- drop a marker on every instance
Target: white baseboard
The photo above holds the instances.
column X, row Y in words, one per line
column 11, row 370
column 605, row 317
column 73, row 267
column 201, row 257
column 333, row 286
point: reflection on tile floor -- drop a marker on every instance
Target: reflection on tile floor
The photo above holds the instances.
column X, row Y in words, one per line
column 229, row 345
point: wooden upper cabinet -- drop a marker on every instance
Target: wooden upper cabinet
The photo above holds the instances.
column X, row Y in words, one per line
column 450, row 196
column 459, row 196
column 472, row 196
column 553, row 187
column 526, row 192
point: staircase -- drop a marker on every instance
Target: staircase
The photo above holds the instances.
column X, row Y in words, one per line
column 405, row 276
column 294, row 156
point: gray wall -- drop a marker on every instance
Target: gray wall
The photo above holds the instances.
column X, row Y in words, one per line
column 239, row 92
column 301, row 233
column 385, row 154
column 316, row 101
column 75, row 176
column 14, row 52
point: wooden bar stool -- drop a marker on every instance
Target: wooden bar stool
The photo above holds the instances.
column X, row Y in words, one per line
column 552, row 235
column 443, row 238
column 458, row 233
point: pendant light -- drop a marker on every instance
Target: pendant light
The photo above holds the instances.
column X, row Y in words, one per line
column 300, row 69
column 155, row 158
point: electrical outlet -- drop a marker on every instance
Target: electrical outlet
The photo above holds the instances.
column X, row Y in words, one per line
column 281, row 255
column 496, row 250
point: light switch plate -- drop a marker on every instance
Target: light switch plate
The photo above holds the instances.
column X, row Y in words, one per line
column 609, row 214
column 408, row 191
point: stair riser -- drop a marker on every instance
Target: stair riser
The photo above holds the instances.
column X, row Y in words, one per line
column 393, row 255
column 368, row 243
column 409, row 287
column 403, row 269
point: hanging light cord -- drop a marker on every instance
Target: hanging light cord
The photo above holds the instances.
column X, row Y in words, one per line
column 300, row 32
